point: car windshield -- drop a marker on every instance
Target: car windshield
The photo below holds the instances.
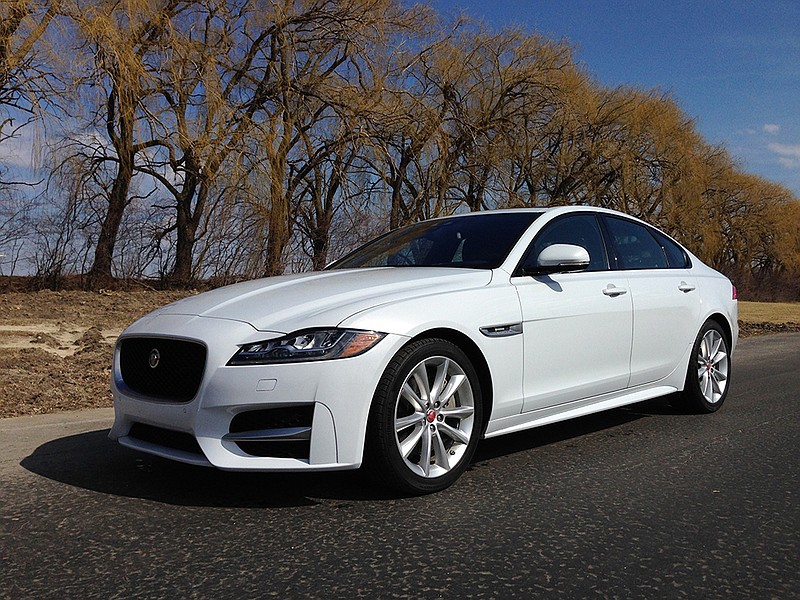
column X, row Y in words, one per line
column 476, row 241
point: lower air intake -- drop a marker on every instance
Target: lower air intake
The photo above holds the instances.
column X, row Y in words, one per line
column 275, row 433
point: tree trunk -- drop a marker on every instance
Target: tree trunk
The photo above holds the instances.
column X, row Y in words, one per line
column 100, row 273
column 186, row 222
column 119, row 124
column 278, row 236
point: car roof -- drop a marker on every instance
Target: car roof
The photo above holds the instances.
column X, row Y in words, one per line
column 552, row 210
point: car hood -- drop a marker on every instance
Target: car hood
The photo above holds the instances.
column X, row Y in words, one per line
column 322, row 299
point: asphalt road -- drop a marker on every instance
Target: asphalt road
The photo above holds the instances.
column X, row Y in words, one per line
column 640, row 502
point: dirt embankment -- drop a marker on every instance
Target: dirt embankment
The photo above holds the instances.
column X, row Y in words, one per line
column 56, row 347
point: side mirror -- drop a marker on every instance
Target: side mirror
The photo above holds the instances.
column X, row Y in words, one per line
column 560, row 258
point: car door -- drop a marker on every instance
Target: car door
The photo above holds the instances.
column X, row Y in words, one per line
column 577, row 326
column 666, row 303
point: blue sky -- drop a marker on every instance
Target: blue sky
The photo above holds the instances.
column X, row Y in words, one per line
column 732, row 65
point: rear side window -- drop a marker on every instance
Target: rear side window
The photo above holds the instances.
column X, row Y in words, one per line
column 676, row 256
column 634, row 245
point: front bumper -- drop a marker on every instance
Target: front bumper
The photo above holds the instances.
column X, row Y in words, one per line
column 336, row 394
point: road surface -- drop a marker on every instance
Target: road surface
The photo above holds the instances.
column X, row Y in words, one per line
column 641, row 502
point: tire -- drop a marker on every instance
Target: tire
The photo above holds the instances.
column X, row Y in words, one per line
column 709, row 372
column 425, row 419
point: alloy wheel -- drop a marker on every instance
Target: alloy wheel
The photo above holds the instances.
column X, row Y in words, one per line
column 434, row 417
column 712, row 366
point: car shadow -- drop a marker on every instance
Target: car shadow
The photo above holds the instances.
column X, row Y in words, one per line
column 93, row 462
column 530, row 439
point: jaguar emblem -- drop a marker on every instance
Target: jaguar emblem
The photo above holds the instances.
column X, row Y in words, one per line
column 155, row 358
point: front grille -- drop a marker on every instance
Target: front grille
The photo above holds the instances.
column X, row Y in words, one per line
column 166, row 438
column 163, row 369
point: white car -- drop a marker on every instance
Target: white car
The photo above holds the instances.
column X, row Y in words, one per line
column 403, row 354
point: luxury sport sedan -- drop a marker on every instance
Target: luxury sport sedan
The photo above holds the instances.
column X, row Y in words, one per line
column 403, row 354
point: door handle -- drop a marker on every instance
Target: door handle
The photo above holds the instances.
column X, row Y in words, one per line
column 685, row 287
column 613, row 291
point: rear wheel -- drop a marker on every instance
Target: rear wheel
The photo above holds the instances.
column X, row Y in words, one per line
column 425, row 418
column 709, row 371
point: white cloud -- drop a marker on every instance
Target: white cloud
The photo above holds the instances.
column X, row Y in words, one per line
column 771, row 128
column 792, row 151
column 788, row 155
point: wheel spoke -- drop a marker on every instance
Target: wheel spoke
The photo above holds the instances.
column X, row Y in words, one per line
column 425, row 452
column 716, row 342
column 707, row 387
column 452, row 387
column 407, row 445
column 413, row 399
column 420, row 375
column 442, row 459
column 459, row 412
column 452, row 432
column 439, row 380
column 715, row 387
column 406, row 422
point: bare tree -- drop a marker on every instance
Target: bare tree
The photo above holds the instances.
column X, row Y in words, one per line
column 121, row 42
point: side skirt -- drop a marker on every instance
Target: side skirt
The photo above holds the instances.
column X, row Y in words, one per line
column 571, row 410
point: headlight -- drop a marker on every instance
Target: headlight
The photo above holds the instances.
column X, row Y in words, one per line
column 304, row 346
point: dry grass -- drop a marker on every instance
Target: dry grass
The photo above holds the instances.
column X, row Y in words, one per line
column 757, row 318
column 769, row 312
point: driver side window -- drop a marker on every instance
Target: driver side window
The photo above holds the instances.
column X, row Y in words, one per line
column 579, row 230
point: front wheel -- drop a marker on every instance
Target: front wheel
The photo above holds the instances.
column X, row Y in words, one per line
column 425, row 419
column 709, row 371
